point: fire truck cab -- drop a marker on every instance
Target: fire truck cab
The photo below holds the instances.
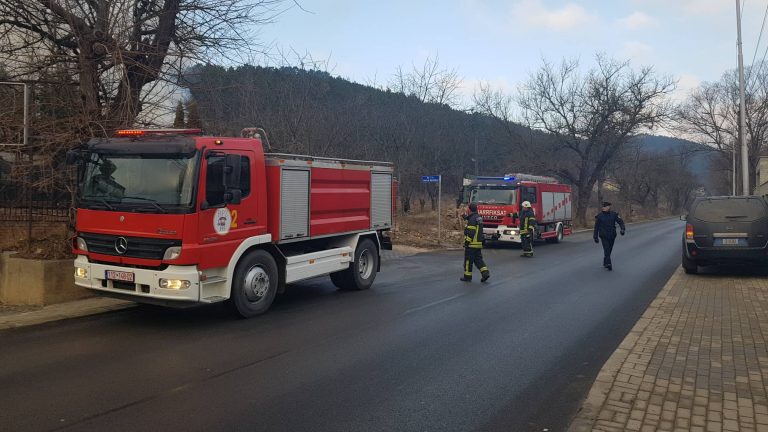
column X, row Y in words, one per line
column 499, row 201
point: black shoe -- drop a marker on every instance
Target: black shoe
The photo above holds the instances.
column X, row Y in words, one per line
column 465, row 279
column 485, row 277
column 610, row 267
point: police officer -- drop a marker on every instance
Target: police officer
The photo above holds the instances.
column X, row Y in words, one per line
column 527, row 226
column 473, row 246
column 605, row 229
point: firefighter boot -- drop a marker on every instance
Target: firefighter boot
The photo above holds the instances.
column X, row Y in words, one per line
column 486, row 275
column 466, row 279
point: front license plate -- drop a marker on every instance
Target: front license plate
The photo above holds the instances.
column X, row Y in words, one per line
column 119, row 276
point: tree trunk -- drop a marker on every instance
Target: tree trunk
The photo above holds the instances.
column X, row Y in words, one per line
column 582, row 203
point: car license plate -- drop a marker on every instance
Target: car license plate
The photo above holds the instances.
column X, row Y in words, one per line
column 730, row 242
column 119, row 276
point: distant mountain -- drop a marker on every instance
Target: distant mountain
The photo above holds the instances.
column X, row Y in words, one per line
column 699, row 164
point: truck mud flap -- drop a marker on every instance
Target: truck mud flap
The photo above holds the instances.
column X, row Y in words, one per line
column 385, row 242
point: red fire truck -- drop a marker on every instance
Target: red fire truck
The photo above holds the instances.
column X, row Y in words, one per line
column 499, row 202
column 176, row 218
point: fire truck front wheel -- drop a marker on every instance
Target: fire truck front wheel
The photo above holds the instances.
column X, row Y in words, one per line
column 254, row 285
column 362, row 272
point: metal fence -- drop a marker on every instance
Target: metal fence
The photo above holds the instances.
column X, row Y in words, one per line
column 24, row 204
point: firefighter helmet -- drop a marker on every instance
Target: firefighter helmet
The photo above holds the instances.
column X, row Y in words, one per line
column 526, row 204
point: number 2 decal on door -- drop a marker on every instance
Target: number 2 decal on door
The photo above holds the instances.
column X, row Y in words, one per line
column 234, row 218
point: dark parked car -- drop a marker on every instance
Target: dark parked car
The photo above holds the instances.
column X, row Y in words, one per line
column 725, row 230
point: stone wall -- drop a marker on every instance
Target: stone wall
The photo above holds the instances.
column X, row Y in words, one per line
column 37, row 282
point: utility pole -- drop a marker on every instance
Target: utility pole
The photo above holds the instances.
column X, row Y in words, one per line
column 742, row 110
column 476, row 172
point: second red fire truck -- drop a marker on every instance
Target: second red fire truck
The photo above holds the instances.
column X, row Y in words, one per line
column 499, row 201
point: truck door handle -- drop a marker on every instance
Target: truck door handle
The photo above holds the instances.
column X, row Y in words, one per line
column 249, row 222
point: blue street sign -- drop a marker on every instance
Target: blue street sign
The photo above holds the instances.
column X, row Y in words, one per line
column 430, row 179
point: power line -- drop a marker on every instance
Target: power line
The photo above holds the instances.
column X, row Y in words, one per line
column 757, row 47
column 760, row 67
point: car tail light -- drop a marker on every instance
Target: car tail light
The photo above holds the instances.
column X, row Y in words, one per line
column 689, row 231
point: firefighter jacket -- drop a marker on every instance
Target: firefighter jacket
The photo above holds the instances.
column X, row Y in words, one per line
column 473, row 233
column 527, row 221
column 605, row 224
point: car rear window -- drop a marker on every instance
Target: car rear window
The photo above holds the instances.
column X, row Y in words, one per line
column 730, row 210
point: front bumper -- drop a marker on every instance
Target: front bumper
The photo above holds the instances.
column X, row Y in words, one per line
column 146, row 286
column 503, row 233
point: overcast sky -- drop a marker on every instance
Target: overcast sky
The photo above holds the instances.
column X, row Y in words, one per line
column 502, row 41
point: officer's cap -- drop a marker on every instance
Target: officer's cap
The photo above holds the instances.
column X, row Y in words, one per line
column 606, row 204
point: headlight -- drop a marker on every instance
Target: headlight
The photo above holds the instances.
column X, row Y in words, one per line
column 174, row 284
column 81, row 244
column 172, row 253
column 81, row 273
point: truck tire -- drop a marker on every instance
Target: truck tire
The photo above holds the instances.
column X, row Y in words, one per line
column 559, row 237
column 361, row 273
column 254, row 285
column 690, row 265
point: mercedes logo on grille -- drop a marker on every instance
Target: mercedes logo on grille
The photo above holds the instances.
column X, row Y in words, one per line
column 121, row 245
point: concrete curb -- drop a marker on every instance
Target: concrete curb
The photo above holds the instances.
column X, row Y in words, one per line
column 598, row 394
column 56, row 312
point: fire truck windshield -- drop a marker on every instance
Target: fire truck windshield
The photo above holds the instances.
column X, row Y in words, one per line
column 139, row 182
column 494, row 195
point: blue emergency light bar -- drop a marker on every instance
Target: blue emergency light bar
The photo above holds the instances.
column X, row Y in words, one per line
column 505, row 178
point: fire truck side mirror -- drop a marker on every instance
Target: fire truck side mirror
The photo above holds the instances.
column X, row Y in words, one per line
column 232, row 170
column 233, row 196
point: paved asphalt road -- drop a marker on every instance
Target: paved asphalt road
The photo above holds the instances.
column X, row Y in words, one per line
column 420, row 351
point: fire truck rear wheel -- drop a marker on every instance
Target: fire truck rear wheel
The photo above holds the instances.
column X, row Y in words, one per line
column 361, row 273
column 559, row 237
column 255, row 284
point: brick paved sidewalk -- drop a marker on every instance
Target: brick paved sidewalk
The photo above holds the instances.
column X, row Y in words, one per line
column 696, row 361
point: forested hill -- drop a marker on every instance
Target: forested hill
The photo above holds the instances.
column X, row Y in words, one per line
column 312, row 112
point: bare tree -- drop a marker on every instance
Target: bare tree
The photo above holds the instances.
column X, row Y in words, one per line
column 710, row 116
column 592, row 116
column 429, row 83
column 114, row 49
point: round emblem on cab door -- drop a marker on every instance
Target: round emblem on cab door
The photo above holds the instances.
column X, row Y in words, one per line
column 122, row 218
column 222, row 221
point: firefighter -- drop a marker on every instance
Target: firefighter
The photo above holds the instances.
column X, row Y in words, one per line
column 473, row 246
column 527, row 227
column 605, row 229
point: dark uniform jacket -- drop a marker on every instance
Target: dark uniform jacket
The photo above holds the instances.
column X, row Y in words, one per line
column 527, row 221
column 473, row 233
column 605, row 224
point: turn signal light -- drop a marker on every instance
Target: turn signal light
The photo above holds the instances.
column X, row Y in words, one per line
column 689, row 231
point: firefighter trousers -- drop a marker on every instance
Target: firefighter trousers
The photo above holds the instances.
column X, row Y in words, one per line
column 527, row 243
column 607, row 249
column 473, row 257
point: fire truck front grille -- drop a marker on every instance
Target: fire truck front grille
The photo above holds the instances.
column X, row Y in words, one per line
column 132, row 247
column 491, row 220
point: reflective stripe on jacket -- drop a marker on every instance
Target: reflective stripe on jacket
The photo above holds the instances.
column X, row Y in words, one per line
column 527, row 221
column 473, row 233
